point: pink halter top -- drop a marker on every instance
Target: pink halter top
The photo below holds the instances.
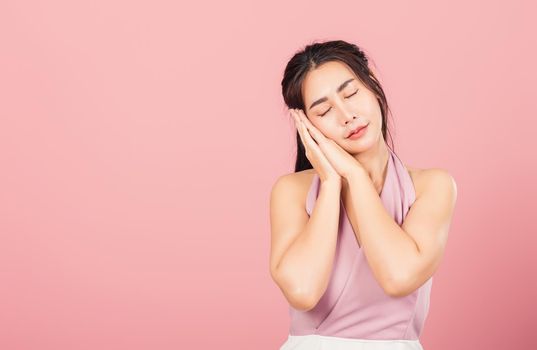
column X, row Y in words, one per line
column 354, row 305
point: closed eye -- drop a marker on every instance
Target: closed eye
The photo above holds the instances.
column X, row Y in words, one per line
column 328, row 110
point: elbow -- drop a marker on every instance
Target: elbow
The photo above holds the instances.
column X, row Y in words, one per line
column 298, row 297
column 302, row 301
column 394, row 291
column 396, row 287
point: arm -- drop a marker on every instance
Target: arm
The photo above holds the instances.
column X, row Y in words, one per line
column 403, row 257
column 303, row 247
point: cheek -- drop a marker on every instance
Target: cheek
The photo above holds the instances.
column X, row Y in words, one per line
column 370, row 104
column 327, row 130
column 374, row 113
column 378, row 120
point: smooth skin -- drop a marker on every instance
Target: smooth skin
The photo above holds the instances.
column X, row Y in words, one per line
column 402, row 257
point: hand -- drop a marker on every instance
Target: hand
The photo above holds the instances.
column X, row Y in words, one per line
column 340, row 160
column 314, row 154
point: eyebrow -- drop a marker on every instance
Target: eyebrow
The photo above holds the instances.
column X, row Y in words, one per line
column 323, row 99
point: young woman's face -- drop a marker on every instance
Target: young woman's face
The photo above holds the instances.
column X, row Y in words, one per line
column 336, row 113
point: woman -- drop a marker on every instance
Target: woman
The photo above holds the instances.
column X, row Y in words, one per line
column 356, row 235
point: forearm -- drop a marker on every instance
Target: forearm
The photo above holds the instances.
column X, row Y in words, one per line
column 385, row 244
column 307, row 264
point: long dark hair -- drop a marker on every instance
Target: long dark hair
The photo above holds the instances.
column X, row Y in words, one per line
column 314, row 55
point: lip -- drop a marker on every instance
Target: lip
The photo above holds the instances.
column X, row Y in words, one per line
column 357, row 130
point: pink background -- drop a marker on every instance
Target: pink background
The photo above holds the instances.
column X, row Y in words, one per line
column 139, row 142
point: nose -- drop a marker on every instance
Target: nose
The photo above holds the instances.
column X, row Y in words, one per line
column 346, row 116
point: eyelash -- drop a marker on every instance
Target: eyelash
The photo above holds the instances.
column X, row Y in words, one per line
column 354, row 93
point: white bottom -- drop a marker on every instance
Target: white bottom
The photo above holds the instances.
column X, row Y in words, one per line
column 323, row 342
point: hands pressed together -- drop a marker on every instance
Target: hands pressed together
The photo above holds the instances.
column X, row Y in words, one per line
column 328, row 158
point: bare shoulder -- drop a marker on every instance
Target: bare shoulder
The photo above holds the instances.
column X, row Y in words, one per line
column 288, row 214
column 431, row 178
column 297, row 182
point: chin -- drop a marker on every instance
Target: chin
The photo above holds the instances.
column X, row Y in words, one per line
column 360, row 145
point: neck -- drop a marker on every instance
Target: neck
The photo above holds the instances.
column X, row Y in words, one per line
column 374, row 161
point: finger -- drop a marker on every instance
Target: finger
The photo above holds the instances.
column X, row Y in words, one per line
column 313, row 131
column 293, row 115
column 309, row 132
column 298, row 126
column 318, row 143
column 303, row 130
column 305, row 136
column 307, row 139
